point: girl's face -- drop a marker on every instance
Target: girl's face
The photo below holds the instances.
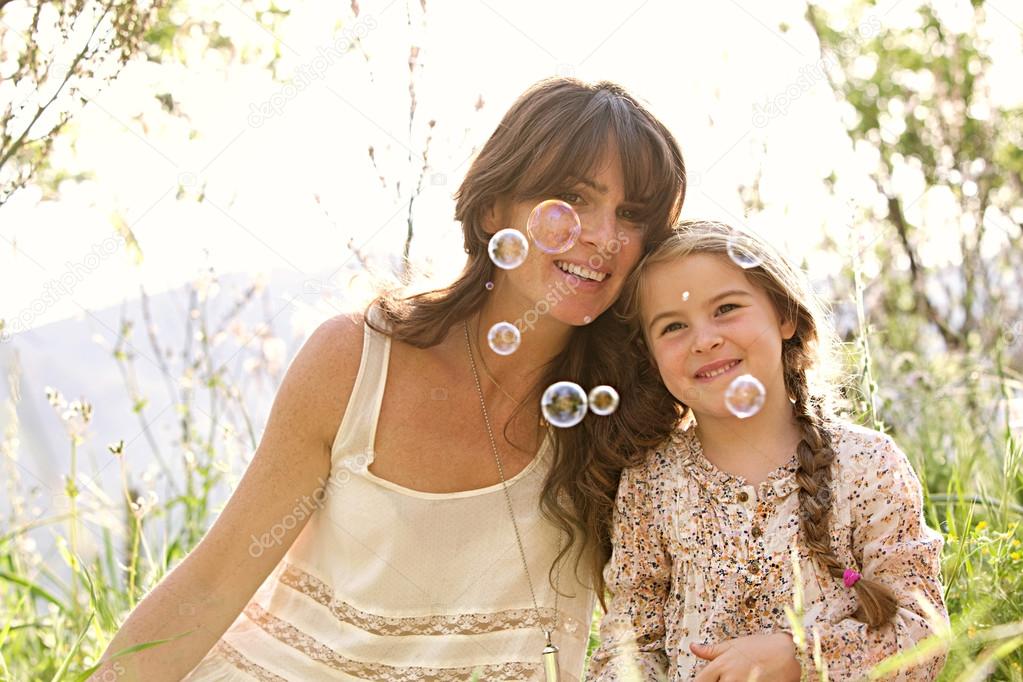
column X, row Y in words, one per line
column 608, row 248
column 706, row 324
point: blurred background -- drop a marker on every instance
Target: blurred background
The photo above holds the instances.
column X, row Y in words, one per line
column 188, row 187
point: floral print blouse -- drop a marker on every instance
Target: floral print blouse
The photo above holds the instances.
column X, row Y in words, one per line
column 702, row 556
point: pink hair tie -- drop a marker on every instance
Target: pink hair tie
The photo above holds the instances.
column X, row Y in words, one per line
column 850, row 577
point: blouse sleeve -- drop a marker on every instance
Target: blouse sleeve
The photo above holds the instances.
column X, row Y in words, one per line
column 895, row 547
column 638, row 577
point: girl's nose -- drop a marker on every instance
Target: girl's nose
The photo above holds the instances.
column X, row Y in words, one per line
column 706, row 340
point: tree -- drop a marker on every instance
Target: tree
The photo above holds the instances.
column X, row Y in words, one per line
column 923, row 97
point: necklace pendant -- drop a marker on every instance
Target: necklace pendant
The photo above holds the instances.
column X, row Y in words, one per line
column 550, row 662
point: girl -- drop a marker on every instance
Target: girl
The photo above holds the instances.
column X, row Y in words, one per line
column 406, row 506
column 705, row 530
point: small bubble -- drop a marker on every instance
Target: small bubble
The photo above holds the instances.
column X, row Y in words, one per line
column 553, row 226
column 587, row 319
column 685, row 295
column 603, row 400
column 563, row 404
column 504, row 338
column 508, row 248
column 489, row 286
column 743, row 251
column 745, row 396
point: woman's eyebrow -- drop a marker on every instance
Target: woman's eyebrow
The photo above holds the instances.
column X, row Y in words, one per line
column 593, row 184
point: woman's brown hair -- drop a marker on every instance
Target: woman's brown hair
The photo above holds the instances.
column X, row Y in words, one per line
column 557, row 130
column 810, row 371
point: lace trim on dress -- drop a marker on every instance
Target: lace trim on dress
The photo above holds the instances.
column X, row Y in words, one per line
column 300, row 641
column 239, row 661
column 450, row 624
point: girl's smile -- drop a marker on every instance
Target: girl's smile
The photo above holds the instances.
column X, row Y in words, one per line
column 726, row 327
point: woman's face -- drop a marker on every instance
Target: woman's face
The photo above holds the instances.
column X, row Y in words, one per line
column 608, row 248
column 706, row 324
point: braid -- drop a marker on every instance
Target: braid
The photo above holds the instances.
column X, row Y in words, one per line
column 815, row 455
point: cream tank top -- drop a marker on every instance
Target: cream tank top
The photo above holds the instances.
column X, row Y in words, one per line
column 392, row 584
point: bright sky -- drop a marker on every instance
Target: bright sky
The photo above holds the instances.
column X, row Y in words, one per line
column 704, row 68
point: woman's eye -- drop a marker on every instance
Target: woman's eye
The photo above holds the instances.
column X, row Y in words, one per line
column 632, row 215
column 570, row 197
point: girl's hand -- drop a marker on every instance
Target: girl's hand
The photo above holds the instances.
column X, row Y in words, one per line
column 758, row 657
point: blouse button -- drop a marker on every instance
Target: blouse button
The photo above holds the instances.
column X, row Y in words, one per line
column 743, row 496
column 754, row 567
column 751, row 602
column 756, row 532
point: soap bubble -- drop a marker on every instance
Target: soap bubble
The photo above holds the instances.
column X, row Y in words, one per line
column 504, row 338
column 563, row 404
column 508, row 248
column 742, row 250
column 489, row 286
column 553, row 226
column 603, row 400
column 685, row 295
column 745, row 396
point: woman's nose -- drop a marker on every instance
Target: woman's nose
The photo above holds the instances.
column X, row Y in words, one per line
column 598, row 227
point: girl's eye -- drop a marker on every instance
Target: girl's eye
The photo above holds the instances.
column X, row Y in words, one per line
column 729, row 306
column 670, row 327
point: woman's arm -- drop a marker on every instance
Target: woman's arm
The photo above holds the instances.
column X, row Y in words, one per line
column 895, row 547
column 638, row 577
column 209, row 588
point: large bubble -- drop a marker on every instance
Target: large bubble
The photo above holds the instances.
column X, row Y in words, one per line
column 745, row 396
column 563, row 404
column 504, row 338
column 553, row 226
column 508, row 248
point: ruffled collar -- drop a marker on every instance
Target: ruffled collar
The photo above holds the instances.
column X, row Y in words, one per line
column 721, row 484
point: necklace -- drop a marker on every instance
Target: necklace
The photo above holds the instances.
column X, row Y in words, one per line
column 486, row 370
column 541, row 422
column 550, row 652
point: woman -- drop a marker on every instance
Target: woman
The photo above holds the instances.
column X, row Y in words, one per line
column 445, row 502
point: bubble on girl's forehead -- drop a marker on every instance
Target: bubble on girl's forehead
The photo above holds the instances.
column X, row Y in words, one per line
column 603, row 400
column 563, row 404
column 504, row 338
column 553, row 226
column 743, row 252
column 745, row 396
column 685, row 295
column 587, row 319
column 489, row 285
column 508, row 248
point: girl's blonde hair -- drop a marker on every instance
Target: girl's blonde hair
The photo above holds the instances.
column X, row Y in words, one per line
column 810, row 373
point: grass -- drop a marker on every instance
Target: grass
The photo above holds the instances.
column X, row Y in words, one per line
column 951, row 414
